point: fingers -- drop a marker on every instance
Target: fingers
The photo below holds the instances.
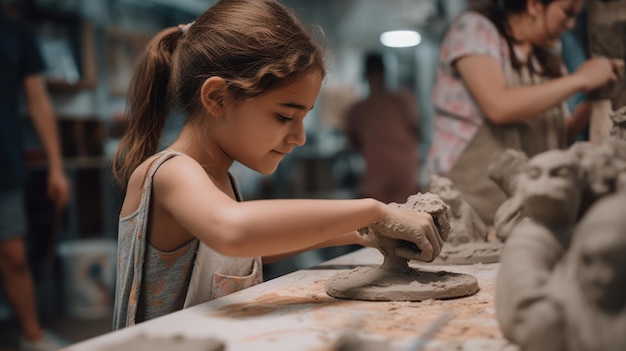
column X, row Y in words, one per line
column 617, row 69
column 434, row 238
column 618, row 65
column 426, row 246
column 600, row 71
column 440, row 240
column 422, row 251
column 408, row 254
column 443, row 221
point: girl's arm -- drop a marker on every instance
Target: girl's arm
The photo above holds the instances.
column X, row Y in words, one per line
column 350, row 238
column 484, row 77
column 271, row 227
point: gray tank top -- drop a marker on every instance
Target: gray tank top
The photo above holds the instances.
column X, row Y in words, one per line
column 149, row 281
column 152, row 283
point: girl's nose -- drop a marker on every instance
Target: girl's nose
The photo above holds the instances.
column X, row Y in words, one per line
column 297, row 136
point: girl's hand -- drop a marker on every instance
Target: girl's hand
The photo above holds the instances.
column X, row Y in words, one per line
column 411, row 231
column 598, row 72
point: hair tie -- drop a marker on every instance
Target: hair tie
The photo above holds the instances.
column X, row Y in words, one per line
column 185, row 27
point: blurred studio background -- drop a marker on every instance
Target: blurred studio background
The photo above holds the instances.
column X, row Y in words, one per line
column 89, row 47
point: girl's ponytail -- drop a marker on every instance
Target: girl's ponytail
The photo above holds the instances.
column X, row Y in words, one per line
column 149, row 103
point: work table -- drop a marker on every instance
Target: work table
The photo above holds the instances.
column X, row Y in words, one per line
column 293, row 312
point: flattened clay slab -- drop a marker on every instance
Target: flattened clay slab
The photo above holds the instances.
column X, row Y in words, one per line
column 380, row 284
column 470, row 253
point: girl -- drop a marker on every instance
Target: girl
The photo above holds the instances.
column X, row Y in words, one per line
column 245, row 73
column 499, row 86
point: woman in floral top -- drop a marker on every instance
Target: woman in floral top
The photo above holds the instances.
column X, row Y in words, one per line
column 500, row 86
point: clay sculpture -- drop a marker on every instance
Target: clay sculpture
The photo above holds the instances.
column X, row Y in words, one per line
column 582, row 307
column 550, row 193
column 505, row 170
column 619, row 124
column 467, row 242
column 395, row 280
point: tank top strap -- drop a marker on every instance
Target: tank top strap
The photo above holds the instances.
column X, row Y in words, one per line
column 147, row 187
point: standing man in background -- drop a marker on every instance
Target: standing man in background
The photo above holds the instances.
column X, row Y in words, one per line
column 383, row 127
column 21, row 67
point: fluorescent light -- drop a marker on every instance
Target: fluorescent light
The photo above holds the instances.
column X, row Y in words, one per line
column 400, row 38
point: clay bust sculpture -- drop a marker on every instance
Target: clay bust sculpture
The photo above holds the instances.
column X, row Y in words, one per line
column 604, row 165
column 619, row 123
column 465, row 224
column 583, row 306
column 467, row 241
column 550, row 193
column 394, row 280
column 619, row 161
column 505, row 170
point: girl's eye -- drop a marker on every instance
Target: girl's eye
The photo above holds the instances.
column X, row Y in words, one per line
column 283, row 118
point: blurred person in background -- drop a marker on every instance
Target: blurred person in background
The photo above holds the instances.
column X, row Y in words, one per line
column 21, row 67
column 500, row 84
column 383, row 128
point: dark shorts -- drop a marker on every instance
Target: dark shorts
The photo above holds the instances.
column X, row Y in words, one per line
column 13, row 222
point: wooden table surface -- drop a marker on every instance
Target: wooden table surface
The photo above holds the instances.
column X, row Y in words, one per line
column 293, row 312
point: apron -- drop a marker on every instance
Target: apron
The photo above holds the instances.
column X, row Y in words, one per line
column 544, row 132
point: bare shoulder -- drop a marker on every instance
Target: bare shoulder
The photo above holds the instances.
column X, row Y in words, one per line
column 177, row 171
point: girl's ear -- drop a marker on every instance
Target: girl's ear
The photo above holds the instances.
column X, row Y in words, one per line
column 212, row 95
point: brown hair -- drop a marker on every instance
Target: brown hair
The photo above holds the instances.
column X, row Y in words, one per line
column 254, row 45
column 499, row 11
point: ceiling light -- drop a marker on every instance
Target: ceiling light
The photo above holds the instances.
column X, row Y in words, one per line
column 400, row 38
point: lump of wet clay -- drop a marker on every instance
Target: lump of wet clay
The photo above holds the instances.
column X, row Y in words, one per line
column 178, row 342
column 394, row 280
column 467, row 242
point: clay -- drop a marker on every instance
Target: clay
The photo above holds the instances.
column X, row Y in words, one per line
column 471, row 253
column 394, row 238
column 606, row 29
column 604, row 166
column 505, row 170
column 550, row 193
column 179, row 342
column 394, row 280
column 619, row 124
column 467, row 241
column 389, row 282
column 583, row 306
column 465, row 224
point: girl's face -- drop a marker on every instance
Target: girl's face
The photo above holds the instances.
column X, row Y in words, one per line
column 260, row 131
column 552, row 20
